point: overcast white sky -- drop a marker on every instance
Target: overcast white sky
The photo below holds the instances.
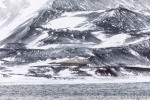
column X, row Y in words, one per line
column 15, row 12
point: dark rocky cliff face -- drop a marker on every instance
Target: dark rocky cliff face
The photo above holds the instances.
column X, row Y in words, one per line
column 76, row 5
column 122, row 19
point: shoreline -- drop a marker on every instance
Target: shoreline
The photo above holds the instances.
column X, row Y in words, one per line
column 86, row 81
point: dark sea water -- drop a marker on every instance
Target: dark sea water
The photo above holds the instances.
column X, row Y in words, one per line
column 124, row 91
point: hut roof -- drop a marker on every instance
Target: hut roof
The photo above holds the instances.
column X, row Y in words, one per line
column 76, row 60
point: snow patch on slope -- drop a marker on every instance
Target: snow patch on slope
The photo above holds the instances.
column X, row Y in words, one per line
column 65, row 22
column 114, row 41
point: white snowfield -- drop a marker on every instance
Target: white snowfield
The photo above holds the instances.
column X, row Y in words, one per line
column 117, row 40
column 65, row 22
column 17, row 80
column 71, row 20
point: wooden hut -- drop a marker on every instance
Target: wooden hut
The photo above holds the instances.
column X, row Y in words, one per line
column 78, row 62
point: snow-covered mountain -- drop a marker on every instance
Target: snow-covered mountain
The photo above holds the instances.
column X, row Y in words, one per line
column 77, row 38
